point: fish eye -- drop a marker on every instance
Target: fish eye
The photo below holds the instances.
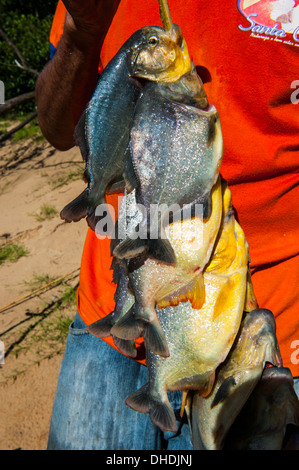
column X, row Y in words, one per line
column 153, row 40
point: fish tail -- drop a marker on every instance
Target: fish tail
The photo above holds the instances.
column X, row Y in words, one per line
column 140, row 400
column 160, row 249
column 162, row 415
column 154, row 338
column 127, row 327
column 160, row 411
column 101, row 328
column 130, row 248
column 125, row 346
column 76, row 209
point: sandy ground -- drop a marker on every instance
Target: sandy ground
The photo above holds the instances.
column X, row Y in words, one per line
column 34, row 318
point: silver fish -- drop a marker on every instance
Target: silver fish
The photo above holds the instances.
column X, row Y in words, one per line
column 198, row 339
column 104, row 128
column 158, row 285
column 173, row 160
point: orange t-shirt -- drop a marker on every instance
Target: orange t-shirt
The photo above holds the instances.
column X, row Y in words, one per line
column 247, row 51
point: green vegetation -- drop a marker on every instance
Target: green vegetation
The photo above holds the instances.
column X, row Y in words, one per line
column 69, row 295
column 52, row 332
column 28, row 25
column 31, row 130
column 73, row 175
column 46, row 212
column 39, row 280
column 12, row 252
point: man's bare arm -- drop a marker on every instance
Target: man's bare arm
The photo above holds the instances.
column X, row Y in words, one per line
column 67, row 82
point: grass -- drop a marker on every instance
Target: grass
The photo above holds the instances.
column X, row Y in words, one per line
column 71, row 176
column 31, row 130
column 46, row 212
column 12, row 252
column 39, row 280
column 69, row 296
column 3, row 127
column 51, row 335
column 45, row 335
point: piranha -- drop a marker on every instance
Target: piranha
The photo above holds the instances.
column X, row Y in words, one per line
column 152, row 284
column 270, row 418
column 199, row 339
column 256, row 345
column 102, row 133
column 123, row 302
column 173, row 160
column 157, row 285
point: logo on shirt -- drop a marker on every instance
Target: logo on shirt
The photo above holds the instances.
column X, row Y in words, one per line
column 276, row 20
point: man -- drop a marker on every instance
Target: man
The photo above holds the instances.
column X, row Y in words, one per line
column 247, row 64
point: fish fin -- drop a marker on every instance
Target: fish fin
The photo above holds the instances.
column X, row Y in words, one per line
column 197, row 294
column 128, row 172
column 127, row 327
column 160, row 412
column 193, row 292
column 162, row 415
column 125, row 346
column 80, row 136
column 184, row 403
column 92, row 221
column 224, row 390
column 101, row 328
column 250, row 299
column 76, row 209
column 161, row 250
column 154, row 338
column 140, row 400
column 207, row 206
column 130, row 248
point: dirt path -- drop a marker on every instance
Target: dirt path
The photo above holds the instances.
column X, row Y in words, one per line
column 36, row 182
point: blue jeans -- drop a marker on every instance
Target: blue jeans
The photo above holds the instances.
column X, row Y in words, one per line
column 89, row 411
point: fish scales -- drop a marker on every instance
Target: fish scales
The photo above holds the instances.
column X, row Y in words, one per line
column 198, row 339
column 174, row 162
column 104, row 128
column 158, row 284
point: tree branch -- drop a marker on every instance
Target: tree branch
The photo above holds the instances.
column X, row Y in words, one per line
column 9, row 104
column 23, row 64
column 18, row 127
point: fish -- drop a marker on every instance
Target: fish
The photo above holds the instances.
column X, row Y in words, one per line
column 199, row 340
column 270, row 418
column 103, row 130
column 173, row 161
column 212, row 417
column 123, row 301
column 154, row 284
